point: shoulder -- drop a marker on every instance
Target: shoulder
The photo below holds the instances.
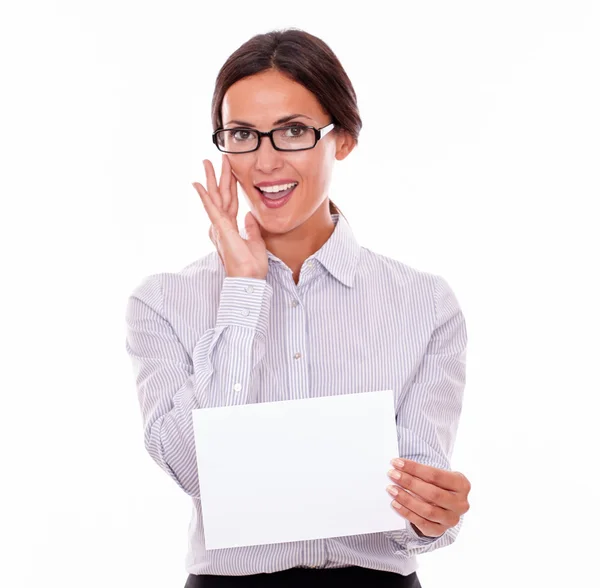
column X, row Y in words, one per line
column 394, row 273
column 406, row 288
column 200, row 280
column 405, row 284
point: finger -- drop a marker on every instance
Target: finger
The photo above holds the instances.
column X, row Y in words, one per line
column 213, row 212
column 225, row 183
column 441, row 478
column 427, row 528
column 429, row 513
column 234, row 197
column 211, row 184
column 426, row 491
column 223, row 232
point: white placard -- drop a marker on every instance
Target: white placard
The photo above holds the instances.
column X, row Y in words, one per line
column 295, row 470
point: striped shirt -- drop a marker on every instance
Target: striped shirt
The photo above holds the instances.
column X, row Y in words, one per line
column 357, row 321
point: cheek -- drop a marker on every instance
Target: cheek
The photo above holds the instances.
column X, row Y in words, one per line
column 317, row 179
column 240, row 173
column 309, row 167
column 237, row 174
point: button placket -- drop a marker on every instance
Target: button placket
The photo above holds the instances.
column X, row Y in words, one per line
column 299, row 387
column 299, row 383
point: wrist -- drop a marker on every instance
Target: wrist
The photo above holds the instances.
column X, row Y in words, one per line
column 418, row 532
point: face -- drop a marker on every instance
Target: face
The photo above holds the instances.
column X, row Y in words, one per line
column 259, row 101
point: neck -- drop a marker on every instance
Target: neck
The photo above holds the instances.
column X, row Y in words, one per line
column 294, row 247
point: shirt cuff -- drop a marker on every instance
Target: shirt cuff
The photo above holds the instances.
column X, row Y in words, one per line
column 245, row 302
column 414, row 537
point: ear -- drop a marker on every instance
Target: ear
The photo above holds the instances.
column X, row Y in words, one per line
column 345, row 143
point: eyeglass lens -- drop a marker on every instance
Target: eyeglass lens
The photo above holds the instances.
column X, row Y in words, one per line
column 240, row 140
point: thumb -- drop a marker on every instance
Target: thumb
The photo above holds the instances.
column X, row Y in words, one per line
column 252, row 228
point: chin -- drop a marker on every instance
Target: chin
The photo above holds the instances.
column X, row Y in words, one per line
column 276, row 225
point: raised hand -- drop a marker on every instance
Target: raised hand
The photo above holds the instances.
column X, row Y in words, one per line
column 241, row 258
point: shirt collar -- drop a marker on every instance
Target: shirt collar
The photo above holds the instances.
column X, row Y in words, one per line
column 338, row 255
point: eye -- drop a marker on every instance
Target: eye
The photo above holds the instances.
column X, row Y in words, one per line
column 242, row 134
column 296, row 130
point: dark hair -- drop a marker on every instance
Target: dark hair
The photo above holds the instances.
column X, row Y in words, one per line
column 302, row 57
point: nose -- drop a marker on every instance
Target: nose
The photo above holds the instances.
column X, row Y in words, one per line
column 267, row 157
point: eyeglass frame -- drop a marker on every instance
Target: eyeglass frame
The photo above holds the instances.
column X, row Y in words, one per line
column 319, row 134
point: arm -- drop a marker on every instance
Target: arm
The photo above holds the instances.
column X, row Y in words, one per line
column 428, row 412
column 221, row 371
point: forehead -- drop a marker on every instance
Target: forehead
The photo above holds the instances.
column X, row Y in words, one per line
column 262, row 98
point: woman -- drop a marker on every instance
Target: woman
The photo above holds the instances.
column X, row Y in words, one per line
column 293, row 307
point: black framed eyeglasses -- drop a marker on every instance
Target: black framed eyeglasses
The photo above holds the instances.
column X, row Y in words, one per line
column 293, row 137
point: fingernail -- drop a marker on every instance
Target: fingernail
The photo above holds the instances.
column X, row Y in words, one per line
column 392, row 490
column 398, row 463
column 394, row 474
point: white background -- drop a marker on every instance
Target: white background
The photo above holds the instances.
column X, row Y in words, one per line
column 478, row 161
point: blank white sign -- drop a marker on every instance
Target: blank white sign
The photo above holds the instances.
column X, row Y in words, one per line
column 296, row 470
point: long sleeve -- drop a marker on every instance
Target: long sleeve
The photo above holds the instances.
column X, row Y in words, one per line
column 429, row 410
column 222, row 369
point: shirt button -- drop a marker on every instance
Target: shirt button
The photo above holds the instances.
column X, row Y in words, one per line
column 297, row 355
column 249, row 289
column 295, row 303
column 237, row 387
column 245, row 312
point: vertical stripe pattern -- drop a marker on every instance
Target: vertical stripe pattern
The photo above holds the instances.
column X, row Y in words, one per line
column 357, row 321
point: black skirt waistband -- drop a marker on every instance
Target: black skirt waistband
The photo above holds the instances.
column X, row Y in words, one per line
column 313, row 578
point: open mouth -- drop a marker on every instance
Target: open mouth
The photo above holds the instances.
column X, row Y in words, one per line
column 279, row 198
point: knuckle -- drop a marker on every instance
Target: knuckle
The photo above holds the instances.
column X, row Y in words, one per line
column 428, row 511
column 422, row 524
column 401, row 497
column 465, row 482
column 437, row 495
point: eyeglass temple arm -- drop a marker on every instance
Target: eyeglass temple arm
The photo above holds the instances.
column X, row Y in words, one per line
column 323, row 131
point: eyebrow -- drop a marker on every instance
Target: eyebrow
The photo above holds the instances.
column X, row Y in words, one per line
column 279, row 121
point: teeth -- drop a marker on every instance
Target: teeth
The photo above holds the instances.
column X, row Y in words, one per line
column 279, row 188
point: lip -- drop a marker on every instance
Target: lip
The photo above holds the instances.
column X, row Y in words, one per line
column 276, row 203
column 276, row 182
